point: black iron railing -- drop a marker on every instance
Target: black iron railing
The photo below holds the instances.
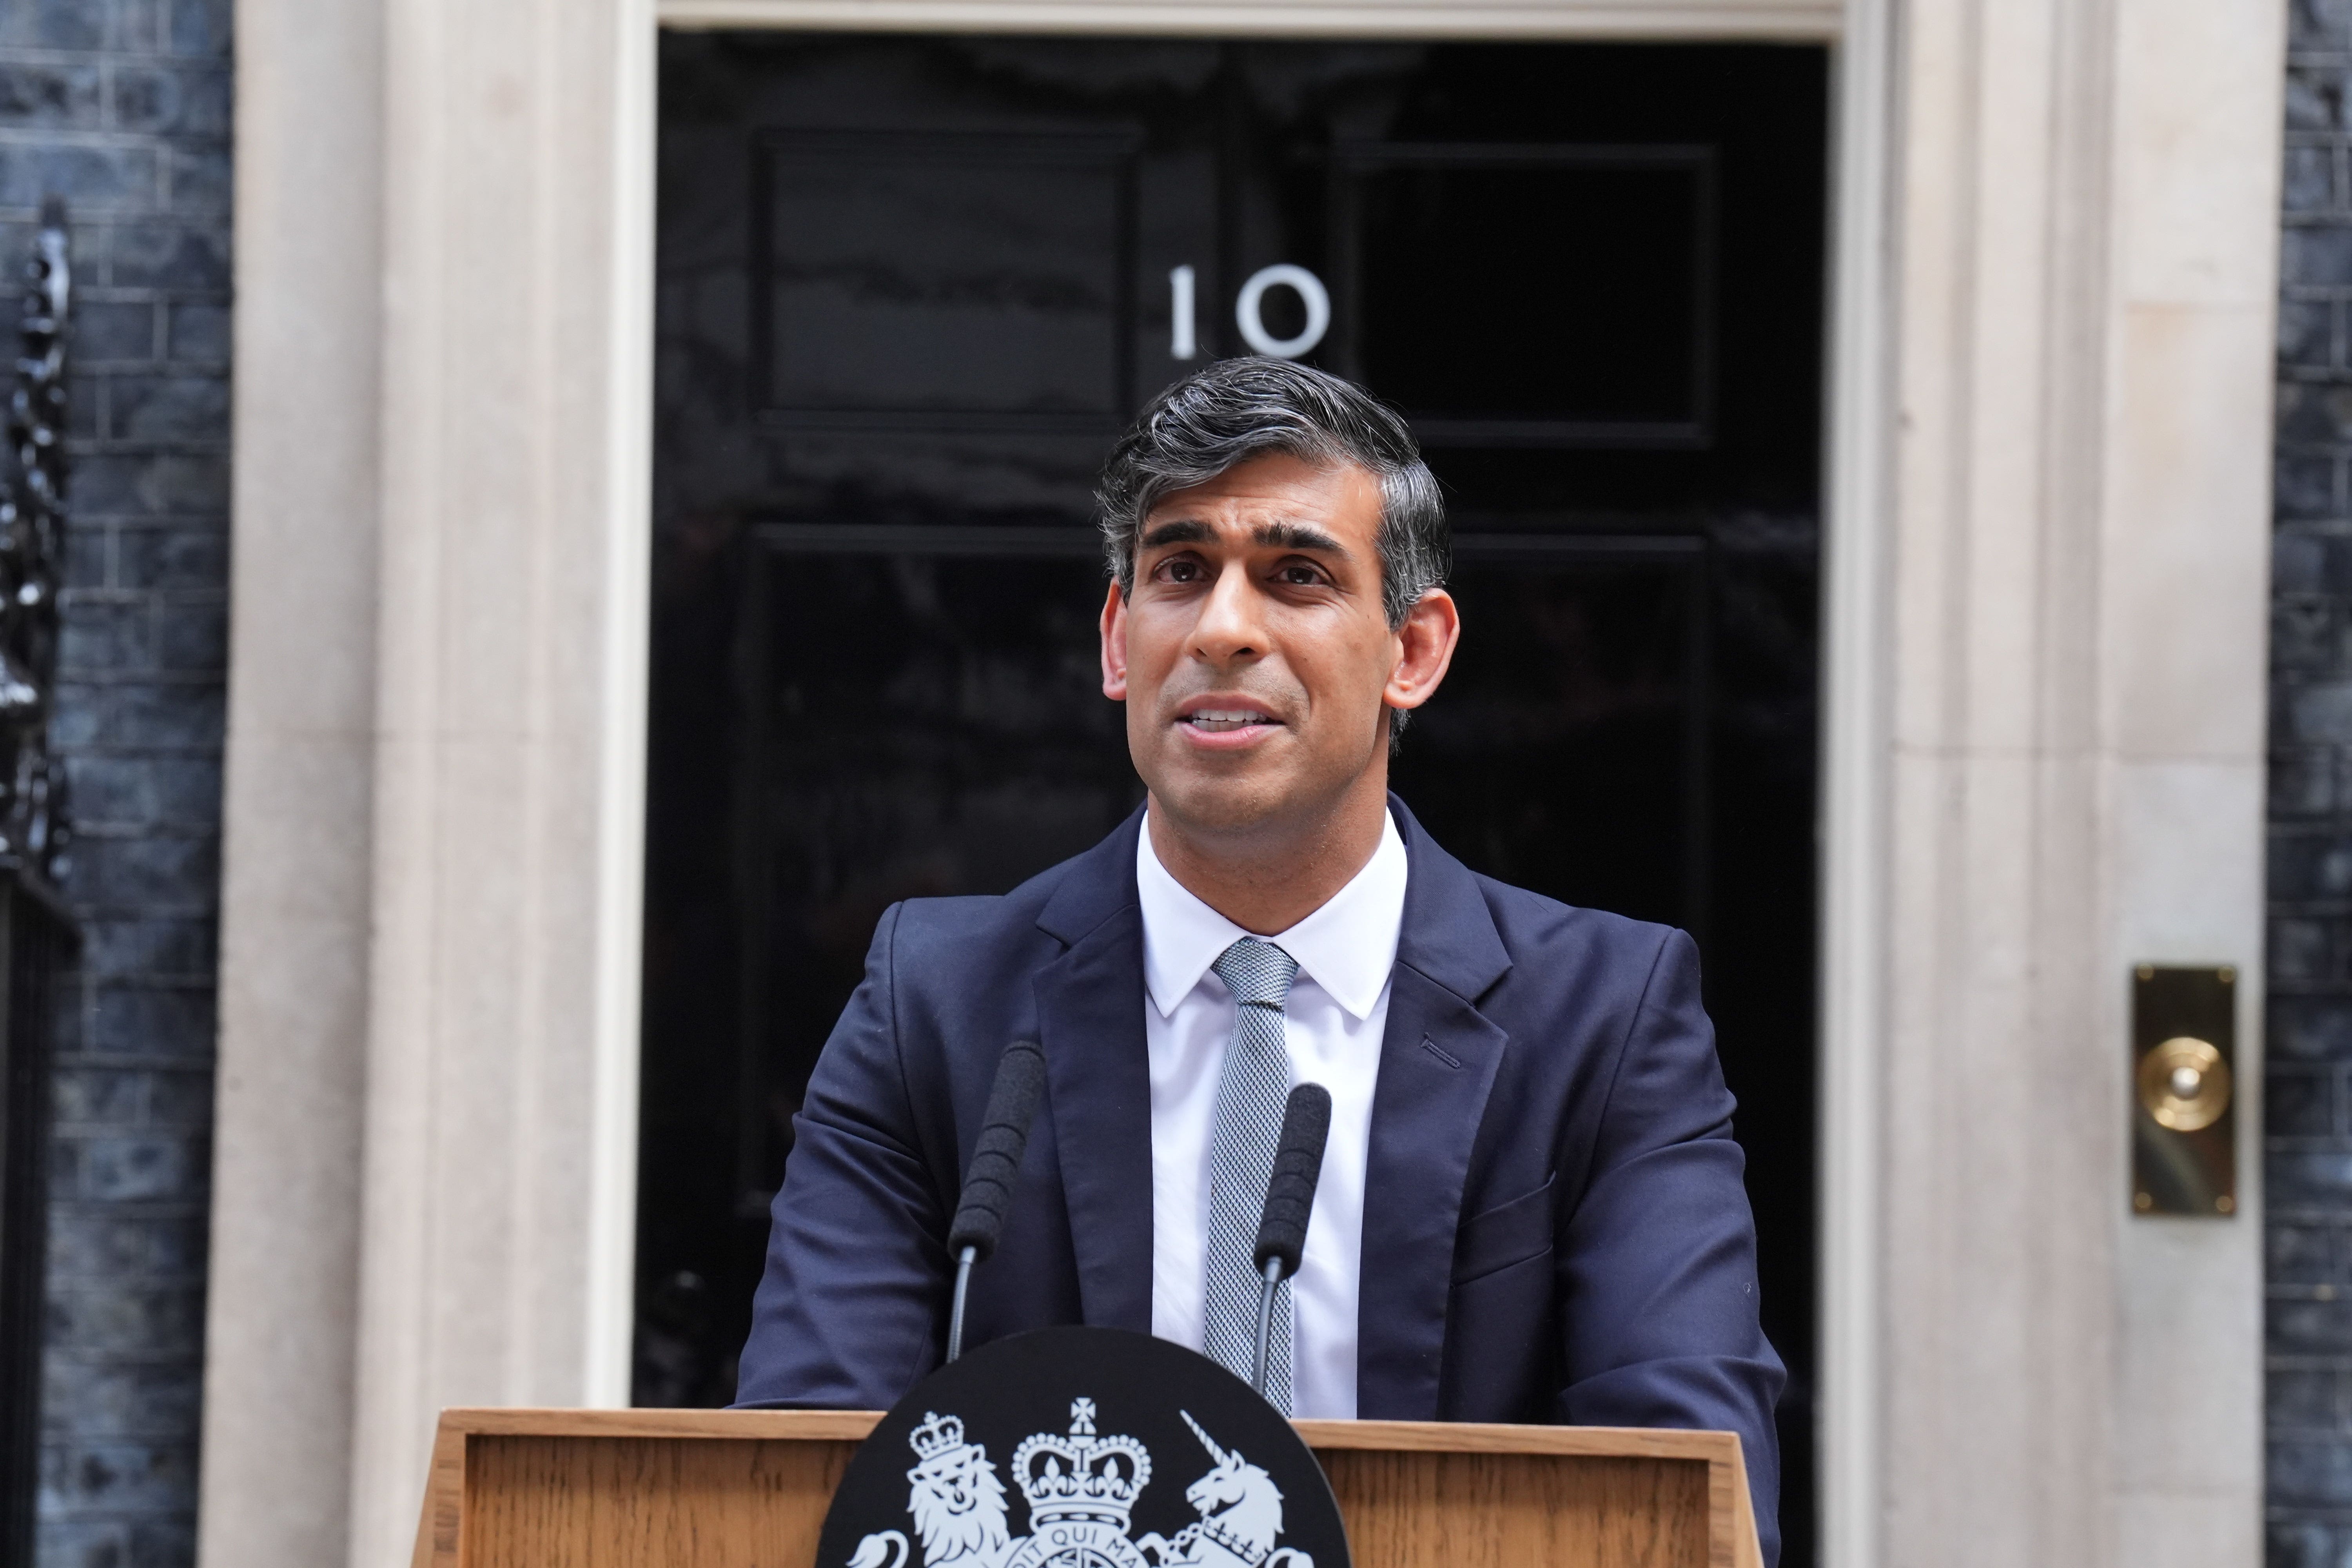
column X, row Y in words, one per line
column 37, row 934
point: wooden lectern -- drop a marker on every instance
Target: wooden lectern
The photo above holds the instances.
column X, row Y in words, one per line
column 699, row 1488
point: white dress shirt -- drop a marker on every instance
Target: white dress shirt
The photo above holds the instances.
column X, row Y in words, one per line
column 1338, row 1009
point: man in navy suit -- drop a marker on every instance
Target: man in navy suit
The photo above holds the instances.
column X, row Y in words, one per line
column 1530, row 1207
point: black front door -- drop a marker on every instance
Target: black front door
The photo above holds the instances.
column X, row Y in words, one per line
column 911, row 287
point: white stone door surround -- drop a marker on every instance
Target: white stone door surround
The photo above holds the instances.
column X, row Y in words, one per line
column 2047, row 553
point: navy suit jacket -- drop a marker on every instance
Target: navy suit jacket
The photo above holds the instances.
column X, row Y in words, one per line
column 1555, row 1227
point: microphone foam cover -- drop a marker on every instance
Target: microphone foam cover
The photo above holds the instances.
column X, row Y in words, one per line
column 996, row 1157
column 1290, row 1193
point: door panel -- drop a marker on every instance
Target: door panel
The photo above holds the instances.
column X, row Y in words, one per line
column 911, row 287
column 914, row 281
column 922, row 722
column 1529, row 295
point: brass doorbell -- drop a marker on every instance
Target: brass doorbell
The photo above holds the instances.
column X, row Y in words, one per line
column 2184, row 1045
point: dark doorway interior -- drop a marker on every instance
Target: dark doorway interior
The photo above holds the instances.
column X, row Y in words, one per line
column 911, row 287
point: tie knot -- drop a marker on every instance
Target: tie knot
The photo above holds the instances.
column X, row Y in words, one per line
column 1258, row 972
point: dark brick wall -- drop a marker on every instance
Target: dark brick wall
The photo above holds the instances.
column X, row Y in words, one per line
column 123, row 108
column 2308, row 1133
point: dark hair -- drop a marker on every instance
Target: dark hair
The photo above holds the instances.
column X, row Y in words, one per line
column 1237, row 409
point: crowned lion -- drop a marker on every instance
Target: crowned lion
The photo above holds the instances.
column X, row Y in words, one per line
column 957, row 1502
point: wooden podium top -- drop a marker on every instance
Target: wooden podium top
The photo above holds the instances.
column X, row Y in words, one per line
column 748, row 1489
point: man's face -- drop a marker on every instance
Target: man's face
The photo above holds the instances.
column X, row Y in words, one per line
column 1253, row 653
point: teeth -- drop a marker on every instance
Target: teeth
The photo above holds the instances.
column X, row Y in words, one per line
column 1225, row 719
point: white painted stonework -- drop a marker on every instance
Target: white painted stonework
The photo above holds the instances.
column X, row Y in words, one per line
column 445, row 231
column 291, row 1093
column 2047, row 561
column 2048, row 625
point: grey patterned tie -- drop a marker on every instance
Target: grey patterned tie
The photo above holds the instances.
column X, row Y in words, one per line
column 1251, row 1088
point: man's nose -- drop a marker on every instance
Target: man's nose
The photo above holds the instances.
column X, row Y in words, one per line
column 1230, row 626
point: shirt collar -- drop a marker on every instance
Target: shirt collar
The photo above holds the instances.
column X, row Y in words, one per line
column 1348, row 946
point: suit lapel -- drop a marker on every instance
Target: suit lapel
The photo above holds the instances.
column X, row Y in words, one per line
column 1439, row 1057
column 1098, row 1080
column 1438, row 1061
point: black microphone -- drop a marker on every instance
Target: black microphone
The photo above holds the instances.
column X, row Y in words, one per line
column 1289, row 1200
column 995, row 1164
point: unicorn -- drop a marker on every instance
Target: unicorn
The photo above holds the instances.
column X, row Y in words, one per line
column 1241, row 1518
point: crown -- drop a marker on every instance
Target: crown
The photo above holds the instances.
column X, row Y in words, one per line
column 936, row 1435
column 1081, row 1477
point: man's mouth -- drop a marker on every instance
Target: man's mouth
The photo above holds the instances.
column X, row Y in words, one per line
column 1216, row 720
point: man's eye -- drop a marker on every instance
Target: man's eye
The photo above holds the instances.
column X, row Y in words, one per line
column 1301, row 577
column 1182, row 571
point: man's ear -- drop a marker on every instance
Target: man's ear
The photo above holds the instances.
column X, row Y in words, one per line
column 1424, row 650
column 1114, row 645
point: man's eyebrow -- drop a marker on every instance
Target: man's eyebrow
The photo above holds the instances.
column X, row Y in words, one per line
column 1185, row 532
column 1275, row 535
column 1299, row 536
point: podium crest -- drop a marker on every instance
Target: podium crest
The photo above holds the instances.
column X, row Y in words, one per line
column 1081, row 1487
column 1083, row 1447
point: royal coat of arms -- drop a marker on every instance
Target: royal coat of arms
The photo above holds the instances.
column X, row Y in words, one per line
column 1081, row 1488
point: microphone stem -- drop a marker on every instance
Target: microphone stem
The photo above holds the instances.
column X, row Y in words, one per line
column 964, row 1261
column 1267, row 1287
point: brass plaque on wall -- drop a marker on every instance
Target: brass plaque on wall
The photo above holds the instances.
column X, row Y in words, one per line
column 2183, row 1088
